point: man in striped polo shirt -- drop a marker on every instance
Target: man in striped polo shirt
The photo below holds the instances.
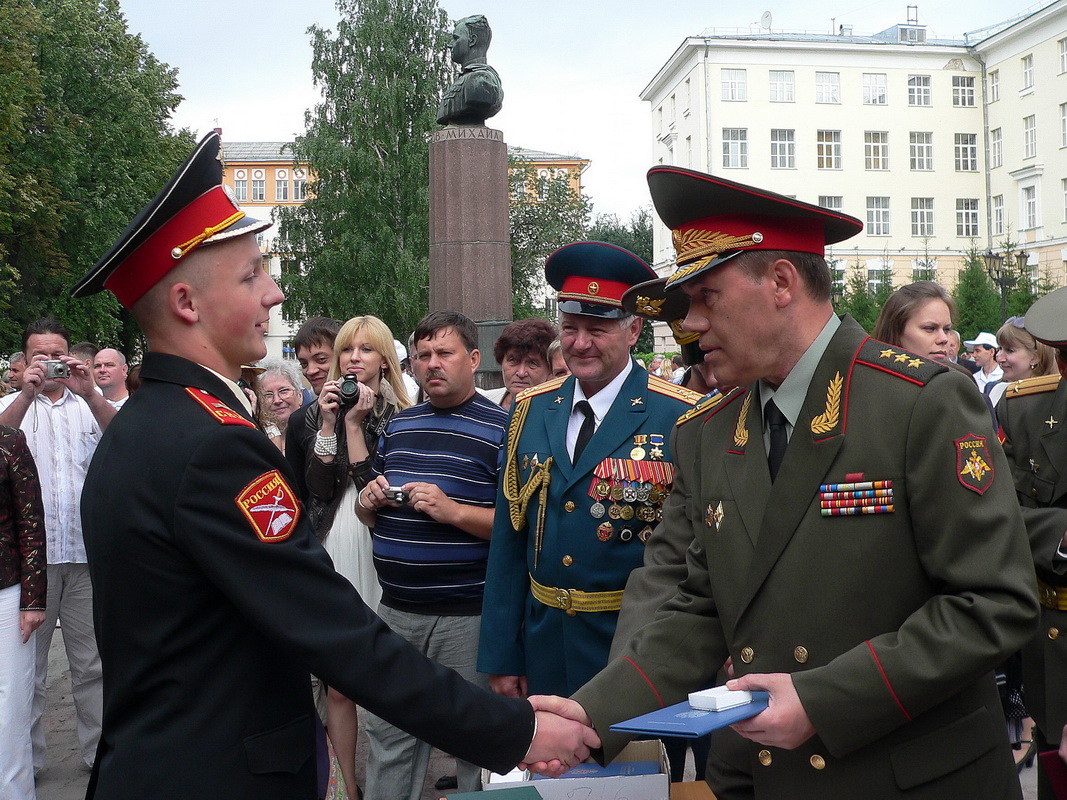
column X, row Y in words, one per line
column 431, row 546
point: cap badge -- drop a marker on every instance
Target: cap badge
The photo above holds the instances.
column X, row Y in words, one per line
column 649, row 307
column 594, row 287
column 757, row 237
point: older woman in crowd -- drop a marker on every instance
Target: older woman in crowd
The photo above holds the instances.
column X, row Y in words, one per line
column 918, row 317
column 522, row 352
column 282, row 393
column 364, row 390
column 22, row 603
column 1020, row 356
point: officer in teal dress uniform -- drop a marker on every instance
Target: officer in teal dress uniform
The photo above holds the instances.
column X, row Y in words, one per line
column 568, row 532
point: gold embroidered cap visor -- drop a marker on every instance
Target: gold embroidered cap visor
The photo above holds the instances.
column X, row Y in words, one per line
column 652, row 300
column 193, row 210
column 1046, row 320
column 591, row 277
column 713, row 220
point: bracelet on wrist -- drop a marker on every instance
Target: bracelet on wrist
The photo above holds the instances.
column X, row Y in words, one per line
column 359, row 501
column 325, row 445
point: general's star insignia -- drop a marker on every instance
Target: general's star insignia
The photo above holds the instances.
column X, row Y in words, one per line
column 558, row 400
column 887, row 353
column 915, row 363
column 902, row 357
column 636, row 401
column 714, row 516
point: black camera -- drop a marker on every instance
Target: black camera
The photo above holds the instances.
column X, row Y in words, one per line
column 348, row 390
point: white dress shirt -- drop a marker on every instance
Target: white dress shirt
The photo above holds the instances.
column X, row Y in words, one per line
column 600, row 402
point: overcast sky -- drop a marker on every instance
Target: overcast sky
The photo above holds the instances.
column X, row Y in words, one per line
column 571, row 70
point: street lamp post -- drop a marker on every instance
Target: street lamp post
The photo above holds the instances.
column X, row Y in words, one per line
column 1004, row 280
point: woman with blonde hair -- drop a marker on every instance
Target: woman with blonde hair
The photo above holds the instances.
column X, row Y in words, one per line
column 1020, row 356
column 365, row 388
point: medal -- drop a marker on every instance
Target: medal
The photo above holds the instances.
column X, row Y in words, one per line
column 625, row 535
column 616, row 492
column 656, row 440
column 615, row 511
column 605, row 531
column 637, row 454
column 597, row 510
column 646, row 514
column 627, row 512
column 603, row 489
column 629, row 494
column 645, row 533
column 644, row 492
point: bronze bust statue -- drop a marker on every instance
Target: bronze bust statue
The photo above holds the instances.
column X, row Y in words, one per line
column 476, row 95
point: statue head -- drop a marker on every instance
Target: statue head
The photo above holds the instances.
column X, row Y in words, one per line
column 470, row 39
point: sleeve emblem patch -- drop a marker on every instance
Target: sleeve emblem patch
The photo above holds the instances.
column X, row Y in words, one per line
column 270, row 506
column 974, row 466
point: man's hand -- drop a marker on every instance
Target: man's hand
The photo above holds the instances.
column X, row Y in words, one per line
column 373, row 495
column 560, row 742
column 430, row 500
column 33, row 377
column 29, row 621
column 80, row 381
column 784, row 723
column 508, row 685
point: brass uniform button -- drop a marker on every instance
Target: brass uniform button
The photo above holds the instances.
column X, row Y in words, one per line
column 1054, row 633
column 568, row 506
column 765, row 757
column 567, row 561
column 800, row 653
column 747, row 654
column 1033, row 492
column 818, row 762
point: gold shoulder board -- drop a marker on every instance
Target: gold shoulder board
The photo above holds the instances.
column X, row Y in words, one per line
column 1037, row 385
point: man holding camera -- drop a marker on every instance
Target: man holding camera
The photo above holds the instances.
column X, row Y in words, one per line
column 62, row 415
column 430, row 506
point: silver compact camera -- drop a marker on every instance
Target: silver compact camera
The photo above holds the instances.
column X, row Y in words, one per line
column 55, row 369
column 394, row 494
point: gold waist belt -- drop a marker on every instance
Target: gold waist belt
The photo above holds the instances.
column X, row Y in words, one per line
column 1054, row 597
column 575, row 600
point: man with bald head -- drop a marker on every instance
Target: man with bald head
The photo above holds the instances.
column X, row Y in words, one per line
column 110, row 370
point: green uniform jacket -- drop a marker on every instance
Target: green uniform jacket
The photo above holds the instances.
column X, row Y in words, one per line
column 891, row 623
column 1033, row 419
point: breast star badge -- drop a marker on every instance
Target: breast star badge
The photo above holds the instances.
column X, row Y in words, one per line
column 714, row 516
column 636, row 401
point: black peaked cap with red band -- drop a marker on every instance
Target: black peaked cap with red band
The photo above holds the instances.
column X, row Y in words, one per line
column 591, row 277
column 652, row 300
column 1046, row 320
column 193, row 210
column 713, row 219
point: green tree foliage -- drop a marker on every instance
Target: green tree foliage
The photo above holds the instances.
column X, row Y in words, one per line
column 862, row 298
column 635, row 237
column 85, row 142
column 545, row 214
column 977, row 301
column 360, row 243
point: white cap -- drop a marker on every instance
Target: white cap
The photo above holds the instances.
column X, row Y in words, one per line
column 401, row 351
column 986, row 338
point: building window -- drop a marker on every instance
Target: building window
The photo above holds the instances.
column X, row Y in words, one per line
column 876, row 150
column 259, row 190
column 877, row 216
column 918, row 90
column 879, row 274
column 966, row 152
column 963, row 91
column 967, row 217
column 734, row 85
column 998, row 215
column 874, row 89
column 689, row 151
column 782, row 86
column 922, row 150
column 994, row 86
column 996, row 148
column 735, row 148
column 1028, row 72
column 834, row 202
column 1062, row 43
column 1029, row 207
column 827, row 87
column 783, row 149
column 281, row 186
column 1029, row 136
column 240, row 189
column 674, row 111
column 299, row 185
column 1063, row 124
column 688, row 95
column 828, row 148
column 922, row 216
column 1063, row 189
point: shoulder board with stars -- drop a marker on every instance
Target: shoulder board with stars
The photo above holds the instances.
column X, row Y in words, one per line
column 706, row 404
column 1037, row 385
column 897, row 361
column 222, row 413
column 541, row 388
column 660, row 386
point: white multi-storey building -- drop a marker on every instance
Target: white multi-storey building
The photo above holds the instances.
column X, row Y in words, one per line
column 915, row 137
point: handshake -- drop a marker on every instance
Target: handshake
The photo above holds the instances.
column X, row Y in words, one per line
column 562, row 738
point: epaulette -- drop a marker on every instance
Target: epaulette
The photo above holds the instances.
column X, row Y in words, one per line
column 541, row 388
column 221, row 412
column 667, row 389
column 899, row 362
column 1035, row 385
column 706, row 404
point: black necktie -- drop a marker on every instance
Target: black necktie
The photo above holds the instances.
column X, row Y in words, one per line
column 585, row 433
column 776, row 423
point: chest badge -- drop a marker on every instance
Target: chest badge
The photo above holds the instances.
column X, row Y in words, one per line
column 714, row 516
column 270, row 506
column 973, row 463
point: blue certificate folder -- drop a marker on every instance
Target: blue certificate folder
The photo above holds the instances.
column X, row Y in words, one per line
column 684, row 721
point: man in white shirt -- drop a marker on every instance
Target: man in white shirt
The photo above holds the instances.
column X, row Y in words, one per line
column 110, row 370
column 62, row 418
column 984, row 348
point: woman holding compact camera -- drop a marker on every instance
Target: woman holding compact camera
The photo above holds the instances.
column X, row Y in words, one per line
column 364, row 389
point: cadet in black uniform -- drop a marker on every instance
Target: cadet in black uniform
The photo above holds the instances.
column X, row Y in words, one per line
column 213, row 600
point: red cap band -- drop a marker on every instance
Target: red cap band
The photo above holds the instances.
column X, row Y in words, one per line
column 724, row 233
column 597, row 291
